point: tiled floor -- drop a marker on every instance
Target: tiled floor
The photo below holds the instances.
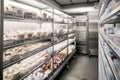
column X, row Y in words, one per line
column 82, row 68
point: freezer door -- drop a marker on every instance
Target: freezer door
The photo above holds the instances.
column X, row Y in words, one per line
column 81, row 33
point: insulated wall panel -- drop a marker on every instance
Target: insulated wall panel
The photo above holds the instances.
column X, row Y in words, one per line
column 93, row 33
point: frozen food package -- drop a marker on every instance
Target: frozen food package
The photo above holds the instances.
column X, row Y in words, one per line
column 110, row 29
column 28, row 15
column 10, row 12
column 111, row 37
column 28, row 34
column 117, row 65
column 117, row 31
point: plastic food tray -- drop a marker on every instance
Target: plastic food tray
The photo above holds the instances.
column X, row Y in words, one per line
column 8, row 42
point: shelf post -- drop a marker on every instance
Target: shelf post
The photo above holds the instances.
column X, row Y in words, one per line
column 75, row 35
column 114, row 25
column 40, row 21
column 52, row 40
column 87, row 34
column 67, row 40
column 1, row 37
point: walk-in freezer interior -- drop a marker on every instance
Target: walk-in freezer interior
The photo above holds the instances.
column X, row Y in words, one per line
column 60, row 39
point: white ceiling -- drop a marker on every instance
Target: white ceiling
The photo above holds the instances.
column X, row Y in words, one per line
column 79, row 1
column 63, row 1
column 71, row 2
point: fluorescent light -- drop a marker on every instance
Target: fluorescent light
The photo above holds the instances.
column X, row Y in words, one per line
column 80, row 9
column 58, row 12
column 13, row 3
column 34, row 3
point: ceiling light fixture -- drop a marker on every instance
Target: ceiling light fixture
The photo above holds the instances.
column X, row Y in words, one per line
column 20, row 5
column 80, row 9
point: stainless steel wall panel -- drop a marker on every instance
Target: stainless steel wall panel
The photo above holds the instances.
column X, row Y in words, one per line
column 93, row 38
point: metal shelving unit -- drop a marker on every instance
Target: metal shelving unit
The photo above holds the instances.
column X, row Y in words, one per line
column 56, row 72
column 103, row 7
column 110, row 62
column 113, row 46
column 19, row 58
column 23, row 20
column 31, row 20
column 113, row 17
column 101, row 67
column 15, row 43
column 31, row 70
